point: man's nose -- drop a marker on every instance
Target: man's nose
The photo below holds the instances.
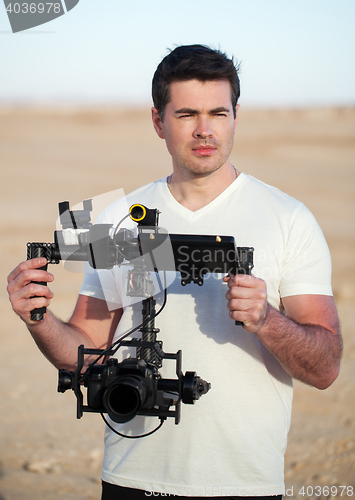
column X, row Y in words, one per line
column 203, row 129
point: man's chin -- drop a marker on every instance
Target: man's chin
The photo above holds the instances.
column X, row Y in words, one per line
column 202, row 170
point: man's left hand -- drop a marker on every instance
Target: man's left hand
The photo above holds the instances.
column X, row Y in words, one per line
column 247, row 300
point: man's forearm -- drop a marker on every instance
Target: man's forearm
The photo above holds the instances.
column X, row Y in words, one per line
column 59, row 341
column 310, row 353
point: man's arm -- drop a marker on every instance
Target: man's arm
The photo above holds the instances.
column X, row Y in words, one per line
column 91, row 324
column 306, row 341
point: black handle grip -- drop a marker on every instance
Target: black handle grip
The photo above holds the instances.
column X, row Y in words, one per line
column 232, row 274
column 245, row 265
column 33, row 252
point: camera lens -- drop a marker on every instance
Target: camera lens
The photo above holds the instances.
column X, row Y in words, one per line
column 124, row 398
column 65, row 379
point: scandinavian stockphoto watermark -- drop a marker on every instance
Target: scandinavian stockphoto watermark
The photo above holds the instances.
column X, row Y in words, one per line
column 306, row 492
column 24, row 15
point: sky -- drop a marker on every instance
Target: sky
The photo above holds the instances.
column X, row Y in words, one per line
column 292, row 53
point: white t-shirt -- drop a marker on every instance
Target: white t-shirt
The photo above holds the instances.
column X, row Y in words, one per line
column 232, row 441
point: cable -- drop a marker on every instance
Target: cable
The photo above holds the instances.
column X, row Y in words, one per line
column 162, row 420
column 118, row 225
column 144, row 322
column 117, row 342
column 115, row 233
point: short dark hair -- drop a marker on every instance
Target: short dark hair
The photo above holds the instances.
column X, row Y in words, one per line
column 189, row 62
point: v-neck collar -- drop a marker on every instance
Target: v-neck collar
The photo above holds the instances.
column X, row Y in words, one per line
column 192, row 215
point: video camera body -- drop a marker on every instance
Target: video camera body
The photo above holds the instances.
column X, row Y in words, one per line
column 135, row 386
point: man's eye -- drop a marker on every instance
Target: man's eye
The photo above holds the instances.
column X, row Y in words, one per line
column 220, row 114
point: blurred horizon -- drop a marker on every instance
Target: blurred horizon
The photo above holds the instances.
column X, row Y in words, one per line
column 69, row 107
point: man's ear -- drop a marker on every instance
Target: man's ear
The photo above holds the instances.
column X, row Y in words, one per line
column 236, row 117
column 157, row 123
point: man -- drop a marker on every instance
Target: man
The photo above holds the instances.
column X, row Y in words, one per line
column 232, row 442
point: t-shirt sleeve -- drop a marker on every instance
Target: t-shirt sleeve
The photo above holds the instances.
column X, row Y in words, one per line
column 307, row 265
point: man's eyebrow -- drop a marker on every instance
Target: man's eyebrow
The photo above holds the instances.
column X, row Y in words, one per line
column 191, row 111
column 221, row 109
column 183, row 111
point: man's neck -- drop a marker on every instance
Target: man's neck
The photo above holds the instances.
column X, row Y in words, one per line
column 195, row 192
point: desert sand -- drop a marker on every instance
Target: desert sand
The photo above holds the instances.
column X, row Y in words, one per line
column 48, row 155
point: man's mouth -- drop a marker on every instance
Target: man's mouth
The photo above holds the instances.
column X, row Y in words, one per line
column 205, row 150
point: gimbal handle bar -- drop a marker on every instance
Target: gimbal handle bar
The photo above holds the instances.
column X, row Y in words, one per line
column 51, row 253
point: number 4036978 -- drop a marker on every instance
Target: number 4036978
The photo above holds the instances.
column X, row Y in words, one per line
column 33, row 8
column 342, row 491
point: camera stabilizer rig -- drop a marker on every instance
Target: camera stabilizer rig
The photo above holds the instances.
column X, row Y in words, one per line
column 135, row 386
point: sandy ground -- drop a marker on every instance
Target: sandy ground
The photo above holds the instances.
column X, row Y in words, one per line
column 47, row 156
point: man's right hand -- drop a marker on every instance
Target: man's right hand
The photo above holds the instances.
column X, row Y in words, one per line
column 20, row 288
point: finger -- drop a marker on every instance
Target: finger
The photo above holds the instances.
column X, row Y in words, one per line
column 27, row 264
column 244, row 280
column 18, row 297
column 33, row 290
column 241, row 316
column 247, row 317
column 36, row 303
column 26, row 277
column 29, row 291
column 255, row 298
column 238, row 292
column 238, row 305
column 25, row 308
column 28, row 298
